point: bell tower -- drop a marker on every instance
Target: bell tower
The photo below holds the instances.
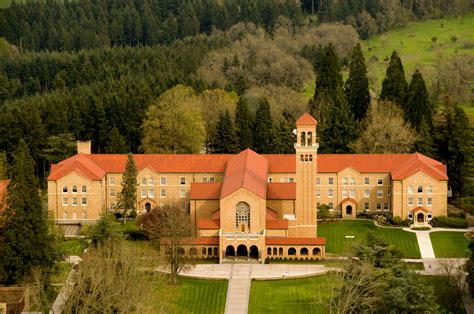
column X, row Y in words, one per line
column 306, row 168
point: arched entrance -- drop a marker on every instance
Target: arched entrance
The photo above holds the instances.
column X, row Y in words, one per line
column 242, row 251
column 147, row 207
column 420, row 218
column 230, row 251
column 349, row 210
column 253, row 252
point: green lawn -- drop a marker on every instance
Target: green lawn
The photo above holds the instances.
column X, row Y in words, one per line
column 327, row 263
column 201, row 296
column 308, row 295
column 72, row 247
column 6, row 3
column 337, row 243
column 449, row 244
column 415, row 46
column 61, row 271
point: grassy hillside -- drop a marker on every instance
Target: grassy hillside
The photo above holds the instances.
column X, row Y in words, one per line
column 6, row 3
column 416, row 47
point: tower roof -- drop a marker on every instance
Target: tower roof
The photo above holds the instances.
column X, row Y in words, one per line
column 306, row 119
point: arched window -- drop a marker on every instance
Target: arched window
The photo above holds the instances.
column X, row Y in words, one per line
column 301, row 159
column 84, row 189
column 65, row 187
column 215, row 251
column 209, row 251
column 269, row 251
column 280, row 251
column 291, row 251
column 311, row 158
column 310, row 138
column 303, row 139
column 74, row 189
column 429, row 189
column 275, row 251
column 304, row 252
column 150, row 181
column 305, row 157
column 143, row 181
column 410, row 189
column 420, row 189
column 242, row 214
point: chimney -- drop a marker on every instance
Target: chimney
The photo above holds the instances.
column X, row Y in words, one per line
column 83, row 147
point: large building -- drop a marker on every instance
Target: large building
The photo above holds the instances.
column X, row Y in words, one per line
column 251, row 205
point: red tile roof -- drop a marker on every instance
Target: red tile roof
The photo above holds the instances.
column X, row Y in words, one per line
column 208, row 224
column 348, row 199
column 281, row 191
column 276, row 224
column 306, row 119
column 295, row 241
column 271, row 214
column 205, row 191
column 400, row 166
column 416, row 209
column 246, row 170
column 195, row 241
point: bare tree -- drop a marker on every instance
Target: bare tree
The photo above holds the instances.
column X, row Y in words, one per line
column 118, row 277
column 172, row 226
column 455, row 284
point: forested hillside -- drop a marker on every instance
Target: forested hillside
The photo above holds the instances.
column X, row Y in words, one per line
column 211, row 73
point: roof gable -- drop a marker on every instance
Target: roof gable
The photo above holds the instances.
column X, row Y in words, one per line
column 306, row 120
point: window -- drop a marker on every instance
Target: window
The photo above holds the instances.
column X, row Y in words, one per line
column 379, row 206
column 84, row 215
column 318, row 193
column 344, row 181
column 366, row 180
column 182, row 180
column 344, row 193
column 379, row 193
column 410, row 215
column 112, row 192
column 353, row 193
column 270, row 179
column 212, row 180
column 84, row 189
column 430, row 215
column 65, row 202
column 242, row 214
column 331, row 206
column 163, row 181
column 429, row 189
column 291, row 180
column 379, row 181
column 151, row 181
column 65, row 216
column 330, row 181
column 410, row 201
column 83, row 201
column 410, row 189
column 143, row 181
column 429, row 201
column 111, row 180
column 151, row 193
column 353, row 181
column 420, row 189
column 318, row 181
column 204, row 179
column 367, row 206
column 143, row 193
column 74, row 201
column 163, row 193
column 74, row 189
column 367, row 193
column 65, row 189
column 330, row 193
column 385, row 206
column 182, row 193
column 420, row 201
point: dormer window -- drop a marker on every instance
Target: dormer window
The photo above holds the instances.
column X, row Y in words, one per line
column 84, row 189
column 74, row 189
column 420, row 189
column 65, row 189
column 143, row 181
column 150, row 181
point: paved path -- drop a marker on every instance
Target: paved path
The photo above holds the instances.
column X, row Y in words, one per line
column 238, row 290
column 424, row 242
column 63, row 294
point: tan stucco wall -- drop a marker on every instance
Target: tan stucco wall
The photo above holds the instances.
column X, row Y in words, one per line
column 257, row 211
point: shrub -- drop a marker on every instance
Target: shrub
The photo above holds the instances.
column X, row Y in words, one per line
column 397, row 221
column 421, row 228
column 449, row 222
column 134, row 235
column 457, row 215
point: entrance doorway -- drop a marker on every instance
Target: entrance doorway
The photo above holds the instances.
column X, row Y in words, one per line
column 147, row 207
column 253, row 252
column 230, row 251
column 348, row 210
column 242, row 251
column 420, row 218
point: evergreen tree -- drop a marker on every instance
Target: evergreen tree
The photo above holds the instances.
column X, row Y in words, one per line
column 418, row 109
column 284, row 141
column 340, row 131
column 394, row 85
column 263, row 129
column 425, row 143
column 357, row 85
column 243, row 125
column 3, row 166
column 116, row 143
column 127, row 199
column 25, row 243
column 224, row 140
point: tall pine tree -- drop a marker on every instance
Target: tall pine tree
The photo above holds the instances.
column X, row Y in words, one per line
column 263, row 129
column 394, row 85
column 357, row 85
column 224, row 140
column 418, row 109
column 243, row 125
column 127, row 199
column 25, row 242
column 116, row 143
column 284, row 140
